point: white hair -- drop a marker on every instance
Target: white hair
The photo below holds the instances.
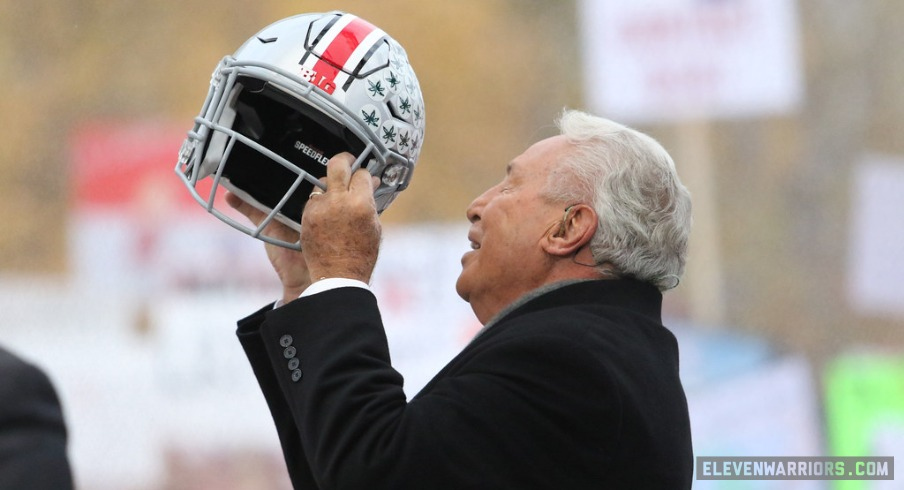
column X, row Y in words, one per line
column 630, row 181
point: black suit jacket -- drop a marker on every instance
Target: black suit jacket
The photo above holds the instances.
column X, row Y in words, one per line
column 32, row 431
column 575, row 389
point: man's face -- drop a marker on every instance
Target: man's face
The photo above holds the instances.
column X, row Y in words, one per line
column 508, row 224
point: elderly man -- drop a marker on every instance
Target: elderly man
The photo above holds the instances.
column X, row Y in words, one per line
column 571, row 384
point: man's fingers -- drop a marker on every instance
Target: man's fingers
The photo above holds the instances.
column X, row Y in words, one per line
column 362, row 182
column 338, row 172
column 233, row 200
column 250, row 212
column 319, row 189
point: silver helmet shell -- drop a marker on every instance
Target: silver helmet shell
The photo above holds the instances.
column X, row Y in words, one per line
column 295, row 94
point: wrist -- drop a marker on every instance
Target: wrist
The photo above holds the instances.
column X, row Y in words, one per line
column 357, row 272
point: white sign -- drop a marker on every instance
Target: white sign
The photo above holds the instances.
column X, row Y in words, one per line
column 875, row 281
column 666, row 60
column 771, row 410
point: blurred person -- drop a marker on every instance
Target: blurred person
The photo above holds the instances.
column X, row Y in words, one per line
column 572, row 383
column 32, row 430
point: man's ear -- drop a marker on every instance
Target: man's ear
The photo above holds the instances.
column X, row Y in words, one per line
column 578, row 225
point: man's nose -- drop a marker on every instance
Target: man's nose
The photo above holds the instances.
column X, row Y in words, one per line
column 475, row 208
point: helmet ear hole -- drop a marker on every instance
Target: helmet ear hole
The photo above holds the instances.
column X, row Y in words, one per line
column 394, row 174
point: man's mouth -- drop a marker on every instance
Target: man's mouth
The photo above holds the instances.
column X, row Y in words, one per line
column 472, row 237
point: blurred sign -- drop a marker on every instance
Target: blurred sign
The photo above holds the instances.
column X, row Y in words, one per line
column 710, row 356
column 655, row 60
column 876, row 265
column 865, row 411
column 124, row 164
column 134, row 227
column 426, row 322
column 769, row 410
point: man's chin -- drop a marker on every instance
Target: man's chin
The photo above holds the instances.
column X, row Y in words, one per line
column 461, row 287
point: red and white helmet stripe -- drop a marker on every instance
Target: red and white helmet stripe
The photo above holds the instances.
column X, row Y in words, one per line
column 338, row 53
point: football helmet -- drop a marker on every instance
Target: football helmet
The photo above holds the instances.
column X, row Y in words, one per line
column 295, row 94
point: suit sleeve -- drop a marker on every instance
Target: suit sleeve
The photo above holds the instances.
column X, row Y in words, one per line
column 252, row 343
column 356, row 429
column 33, row 435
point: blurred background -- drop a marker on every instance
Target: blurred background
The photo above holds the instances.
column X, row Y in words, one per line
column 784, row 118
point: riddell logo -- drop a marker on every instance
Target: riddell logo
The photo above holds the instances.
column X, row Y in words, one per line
column 314, row 154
